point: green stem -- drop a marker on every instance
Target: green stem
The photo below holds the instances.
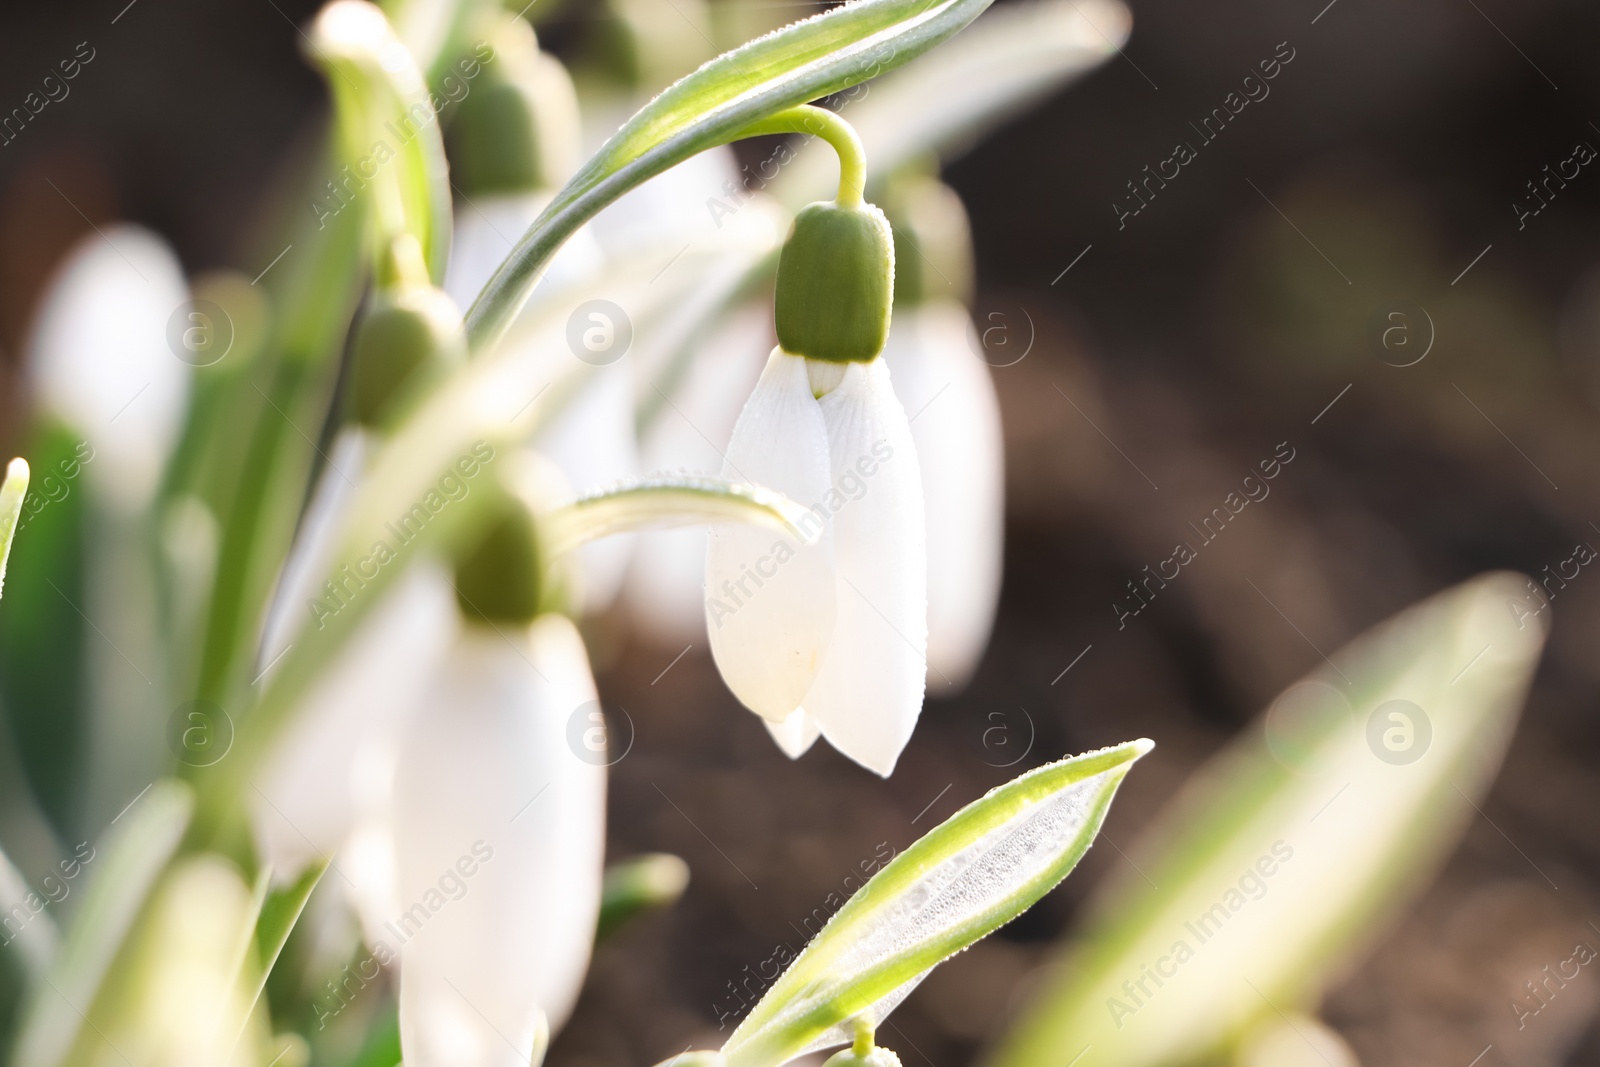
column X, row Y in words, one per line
column 820, row 122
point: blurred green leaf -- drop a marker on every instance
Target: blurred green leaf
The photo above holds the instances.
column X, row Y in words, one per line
column 795, row 65
column 976, row 871
column 666, row 501
column 12, row 492
column 134, row 854
column 632, row 887
column 389, row 135
column 1289, row 852
column 276, row 912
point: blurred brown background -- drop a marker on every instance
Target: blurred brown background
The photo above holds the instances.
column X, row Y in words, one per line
column 1174, row 354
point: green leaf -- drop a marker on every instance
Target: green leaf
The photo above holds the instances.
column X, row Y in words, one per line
column 12, row 493
column 276, row 912
column 37, row 940
column 978, row 870
column 1289, row 852
column 1009, row 60
column 794, row 65
column 632, row 887
column 389, row 137
column 134, row 855
column 666, row 501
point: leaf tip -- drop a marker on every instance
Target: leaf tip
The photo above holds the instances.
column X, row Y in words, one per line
column 17, row 468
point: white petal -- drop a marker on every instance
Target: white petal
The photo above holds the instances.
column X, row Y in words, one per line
column 312, row 557
column 796, row 734
column 869, row 691
column 333, row 763
column 592, row 442
column 499, row 835
column 770, row 602
column 671, row 209
column 102, row 358
column 955, row 422
column 487, row 228
column 665, row 588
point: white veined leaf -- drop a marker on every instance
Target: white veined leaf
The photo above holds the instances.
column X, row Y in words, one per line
column 1013, row 57
column 976, row 871
column 802, row 62
column 666, row 501
column 1286, row 855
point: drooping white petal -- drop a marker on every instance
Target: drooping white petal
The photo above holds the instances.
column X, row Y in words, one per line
column 665, row 587
column 488, row 227
column 333, row 764
column 955, row 423
column 328, row 776
column 102, row 358
column 869, row 690
column 499, row 836
column 796, row 734
column 770, row 601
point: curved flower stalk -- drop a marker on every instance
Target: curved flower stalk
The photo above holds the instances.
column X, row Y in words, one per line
column 938, row 375
column 102, row 360
column 499, row 818
column 327, row 778
column 829, row 637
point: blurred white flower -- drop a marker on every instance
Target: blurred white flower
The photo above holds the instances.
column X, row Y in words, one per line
column 325, row 785
column 499, row 839
column 828, row 637
column 955, row 422
column 488, row 227
column 102, row 360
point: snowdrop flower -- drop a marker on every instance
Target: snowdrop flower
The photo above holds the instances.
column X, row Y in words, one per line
column 828, row 637
column 499, row 822
column 102, row 359
column 955, row 423
column 513, row 141
column 326, row 782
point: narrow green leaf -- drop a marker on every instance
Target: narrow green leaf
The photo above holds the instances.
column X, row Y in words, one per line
column 12, row 493
column 132, row 858
column 275, row 914
column 1290, row 851
column 978, row 870
column 795, row 65
column 666, row 501
column 634, row 886
column 389, row 140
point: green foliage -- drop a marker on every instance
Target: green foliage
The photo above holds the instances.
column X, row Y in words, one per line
column 976, row 871
column 1297, row 845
